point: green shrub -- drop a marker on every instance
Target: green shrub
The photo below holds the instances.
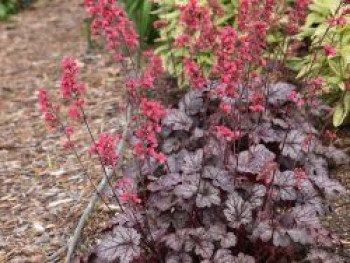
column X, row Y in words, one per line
column 333, row 69
column 168, row 12
column 9, row 7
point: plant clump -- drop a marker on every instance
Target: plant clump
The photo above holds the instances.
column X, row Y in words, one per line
column 237, row 171
column 229, row 193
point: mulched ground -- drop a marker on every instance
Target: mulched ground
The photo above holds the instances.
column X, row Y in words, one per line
column 42, row 190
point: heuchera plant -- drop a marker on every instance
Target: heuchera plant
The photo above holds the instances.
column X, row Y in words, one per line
column 237, row 171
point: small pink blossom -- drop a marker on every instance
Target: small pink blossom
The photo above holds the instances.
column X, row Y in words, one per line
column 257, row 108
column 337, row 21
column 106, row 150
column 330, row 135
column 330, row 50
column 160, row 23
column 43, row 100
column 228, row 134
column 226, row 107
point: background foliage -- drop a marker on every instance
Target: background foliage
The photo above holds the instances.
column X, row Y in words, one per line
column 8, row 7
column 334, row 70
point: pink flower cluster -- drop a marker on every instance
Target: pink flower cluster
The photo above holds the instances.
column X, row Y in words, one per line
column 127, row 196
column 71, row 90
column 146, row 134
column 49, row 110
column 337, row 21
column 114, row 24
column 194, row 74
column 69, row 87
column 297, row 16
column 330, row 50
column 228, row 134
column 106, row 150
column 136, row 86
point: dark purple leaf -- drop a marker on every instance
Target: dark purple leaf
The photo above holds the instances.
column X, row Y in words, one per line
column 255, row 159
column 123, row 244
column 279, row 93
column 214, row 147
column 217, row 231
column 316, row 166
column 265, row 133
column 299, row 235
column 332, row 188
column 177, row 120
column 220, row 178
column 223, row 256
column 335, row 155
column 207, row 196
column 186, row 190
column 162, row 200
column 229, row 240
column 192, row 162
column 201, row 242
column 165, row 182
column 306, row 216
column 238, row 212
column 243, row 258
column 293, row 145
column 179, row 219
column 256, row 195
column 181, row 258
column 176, row 240
column 284, row 186
column 262, row 231
column 204, row 248
column 192, row 103
column 128, row 218
column 170, row 145
column 322, row 256
column 280, row 238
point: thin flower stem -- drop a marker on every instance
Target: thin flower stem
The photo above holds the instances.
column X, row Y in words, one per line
column 100, row 159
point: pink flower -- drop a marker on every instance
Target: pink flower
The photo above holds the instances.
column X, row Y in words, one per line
column 124, row 183
column 43, row 100
column 69, row 130
column 296, row 97
column 194, row 73
column 69, row 87
column 152, row 109
column 161, row 157
column 330, row 135
column 68, row 145
column 74, row 111
column 257, row 108
column 329, row 50
column 127, row 197
column 337, row 21
column 159, row 24
column 105, row 148
column 226, row 107
column 227, row 133
column 182, row 41
column 112, row 22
